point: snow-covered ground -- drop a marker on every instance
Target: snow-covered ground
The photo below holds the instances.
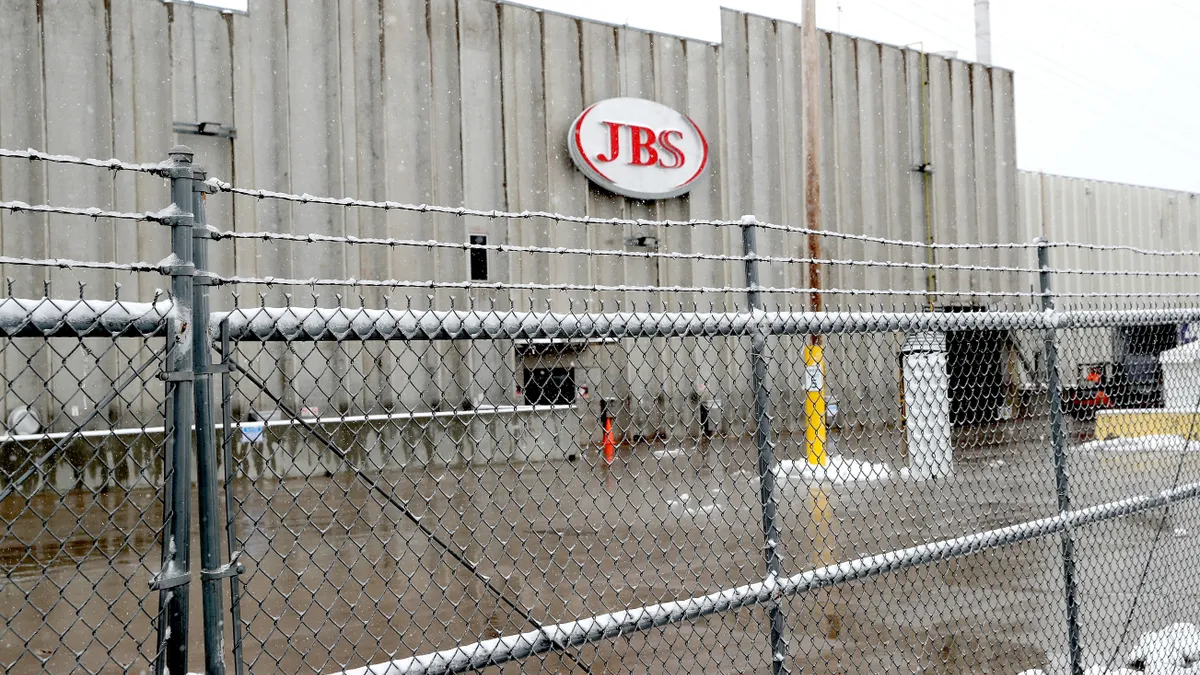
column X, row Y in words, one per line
column 1174, row 650
column 1157, row 443
column 838, row 471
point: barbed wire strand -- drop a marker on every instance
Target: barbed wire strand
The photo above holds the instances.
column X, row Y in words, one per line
column 560, row 250
column 217, row 279
column 158, row 169
column 495, row 214
column 92, row 211
column 670, row 255
column 66, row 263
column 1122, row 247
column 588, row 220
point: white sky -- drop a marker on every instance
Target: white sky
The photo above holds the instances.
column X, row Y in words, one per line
column 1105, row 89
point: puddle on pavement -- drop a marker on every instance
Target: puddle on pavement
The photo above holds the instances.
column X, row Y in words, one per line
column 330, row 563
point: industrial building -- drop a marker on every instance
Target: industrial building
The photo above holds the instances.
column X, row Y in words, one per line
column 469, row 103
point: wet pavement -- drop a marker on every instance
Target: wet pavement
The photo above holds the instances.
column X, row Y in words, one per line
column 338, row 577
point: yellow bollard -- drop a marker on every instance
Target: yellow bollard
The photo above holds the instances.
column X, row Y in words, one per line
column 814, row 405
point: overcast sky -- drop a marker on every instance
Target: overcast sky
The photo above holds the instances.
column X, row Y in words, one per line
column 1104, row 89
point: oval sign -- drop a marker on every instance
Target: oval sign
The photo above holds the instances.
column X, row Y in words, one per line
column 638, row 148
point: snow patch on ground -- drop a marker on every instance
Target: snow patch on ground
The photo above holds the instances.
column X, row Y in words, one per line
column 1170, row 651
column 1157, row 443
column 689, row 505
column 838, row 471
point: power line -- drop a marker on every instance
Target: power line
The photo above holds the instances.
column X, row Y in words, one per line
column 1082, row 81
column 1072, row 75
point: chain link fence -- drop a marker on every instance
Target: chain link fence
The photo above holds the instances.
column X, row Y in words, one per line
column 524, row 470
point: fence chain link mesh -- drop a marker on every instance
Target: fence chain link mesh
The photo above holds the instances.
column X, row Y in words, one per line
column 688, row 473
column 80, row 500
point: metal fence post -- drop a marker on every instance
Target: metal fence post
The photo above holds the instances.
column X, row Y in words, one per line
column 172, row 582
column 211, row 569
column 762, row 440
column 1058, row 440
column 235, row 588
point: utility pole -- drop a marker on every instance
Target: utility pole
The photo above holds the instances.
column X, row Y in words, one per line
column 810, row 76
column 814, row 361
column 983, row 33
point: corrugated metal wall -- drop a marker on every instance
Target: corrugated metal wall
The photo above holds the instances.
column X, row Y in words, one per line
column 1064, row 209
column 467, row 102
column 1098, row 212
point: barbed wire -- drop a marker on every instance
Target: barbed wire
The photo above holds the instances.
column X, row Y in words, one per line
column 161, row 168
column 670, row 255
column 93, row 212
column 158, row 169
column 66, row 263
column 217, row 279
column 1123, row 247
column 496, row 214
column 561, row 250
column 513, row 286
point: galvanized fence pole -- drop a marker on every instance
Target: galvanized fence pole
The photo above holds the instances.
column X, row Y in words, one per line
column 762, row 440
column 235, row 586
column 172, row 582
column 1059, row 441
column 211, row 569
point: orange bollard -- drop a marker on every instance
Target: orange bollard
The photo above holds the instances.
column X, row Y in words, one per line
column 608, row 447
column 610, row 450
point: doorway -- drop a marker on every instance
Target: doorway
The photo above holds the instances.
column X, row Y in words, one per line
column 975, row 366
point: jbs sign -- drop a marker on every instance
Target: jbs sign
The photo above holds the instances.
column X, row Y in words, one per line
column 638, row 148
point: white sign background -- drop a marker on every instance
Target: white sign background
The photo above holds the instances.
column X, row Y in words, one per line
column 590, row 140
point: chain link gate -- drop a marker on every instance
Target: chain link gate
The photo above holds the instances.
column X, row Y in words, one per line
column 520, row 475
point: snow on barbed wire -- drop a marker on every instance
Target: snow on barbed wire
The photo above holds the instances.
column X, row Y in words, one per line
column 156, row 168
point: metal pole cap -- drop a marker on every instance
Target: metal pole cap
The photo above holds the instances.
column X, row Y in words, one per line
column 181, row 153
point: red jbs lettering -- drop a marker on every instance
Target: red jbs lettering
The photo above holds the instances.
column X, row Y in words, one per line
column 647, row 147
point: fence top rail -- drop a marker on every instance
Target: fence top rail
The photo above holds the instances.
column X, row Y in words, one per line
column 47, row 317
column 352, row 324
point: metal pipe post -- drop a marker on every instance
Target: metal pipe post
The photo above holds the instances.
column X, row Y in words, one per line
column 1061, row 480
column 211, row 571
column 983, row 33
column 762, row 439
column 235, row 586
column 172, row 582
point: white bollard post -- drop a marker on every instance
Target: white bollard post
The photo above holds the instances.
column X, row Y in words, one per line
column 927, row 400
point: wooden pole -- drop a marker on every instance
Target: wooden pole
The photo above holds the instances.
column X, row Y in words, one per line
column 814, row 358
column 810, row 76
